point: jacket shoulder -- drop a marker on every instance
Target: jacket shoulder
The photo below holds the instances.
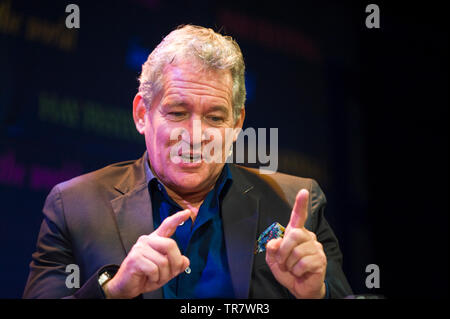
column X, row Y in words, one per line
column 105, row 176
column 286, row 186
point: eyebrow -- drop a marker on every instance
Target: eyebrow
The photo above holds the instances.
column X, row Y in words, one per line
column 219, row 108
column 215, row 108
column 175, row 103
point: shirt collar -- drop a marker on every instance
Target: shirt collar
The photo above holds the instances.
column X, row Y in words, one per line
column 148, row 172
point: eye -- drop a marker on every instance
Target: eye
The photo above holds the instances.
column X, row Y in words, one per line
column 216, row 119
column 177, row 115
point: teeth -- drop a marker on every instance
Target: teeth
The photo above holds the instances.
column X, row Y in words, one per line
column 187, row 157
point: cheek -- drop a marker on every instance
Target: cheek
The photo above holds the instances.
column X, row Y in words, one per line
column 161, row 138
column 225, row 141
column 162, row 144
column 158, row 135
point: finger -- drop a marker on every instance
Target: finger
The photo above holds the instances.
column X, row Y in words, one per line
column 292, row 239
column 308, row 264
column 186, row 263
column 176, row 262
column 146, row 254
column 300, row 211
column 170, row 224
column 163, row 264
column 313, row 235
column 271, row 250
column 306, row 249
column 163, row 245
column 160, row 260
column 169, row 248
column 149, row 269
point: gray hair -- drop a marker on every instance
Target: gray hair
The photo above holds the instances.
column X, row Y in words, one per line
column 203, row 44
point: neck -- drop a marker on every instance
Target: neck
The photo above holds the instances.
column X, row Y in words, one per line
column 191, row 201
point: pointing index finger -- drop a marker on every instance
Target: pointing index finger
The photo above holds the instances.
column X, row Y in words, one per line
column 300, row 211
column 170, row 224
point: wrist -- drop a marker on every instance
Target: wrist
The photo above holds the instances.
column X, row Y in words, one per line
column 108, row 290
column 105, row 279
column 320, row 294
column 113, row 290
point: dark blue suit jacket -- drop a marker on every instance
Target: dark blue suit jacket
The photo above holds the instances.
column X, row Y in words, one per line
column 93, row 221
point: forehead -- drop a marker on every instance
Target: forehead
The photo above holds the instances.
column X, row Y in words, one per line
column 186, row 78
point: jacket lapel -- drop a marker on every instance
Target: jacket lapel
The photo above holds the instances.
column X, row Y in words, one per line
column 134, row 218
column 240, row 217
column 133, row 210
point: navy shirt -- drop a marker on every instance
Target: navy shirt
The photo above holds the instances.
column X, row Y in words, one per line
column 208, row 275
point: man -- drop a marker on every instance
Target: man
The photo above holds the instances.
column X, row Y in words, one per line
column 174, row 224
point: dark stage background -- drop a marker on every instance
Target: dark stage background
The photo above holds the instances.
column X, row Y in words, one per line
column 363, row 111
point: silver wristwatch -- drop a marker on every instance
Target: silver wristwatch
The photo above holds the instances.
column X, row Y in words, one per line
column 104, row 278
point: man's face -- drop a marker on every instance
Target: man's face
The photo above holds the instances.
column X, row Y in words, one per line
column 190, row 96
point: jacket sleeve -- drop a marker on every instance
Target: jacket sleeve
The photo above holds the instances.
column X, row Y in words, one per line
column 337, row 284
column 47, row 277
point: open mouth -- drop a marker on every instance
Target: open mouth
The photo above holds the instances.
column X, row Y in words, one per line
column 191, row 158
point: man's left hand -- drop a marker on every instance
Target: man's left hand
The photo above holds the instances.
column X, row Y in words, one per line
column 297, row 260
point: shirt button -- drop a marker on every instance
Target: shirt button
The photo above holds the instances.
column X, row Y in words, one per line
column 187, row 270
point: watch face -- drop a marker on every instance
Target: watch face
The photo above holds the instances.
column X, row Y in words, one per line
column 104, row 277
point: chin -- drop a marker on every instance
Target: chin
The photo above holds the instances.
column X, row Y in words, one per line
column 184, row 186
column 189, row 181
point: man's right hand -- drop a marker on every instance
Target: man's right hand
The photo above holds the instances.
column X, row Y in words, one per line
column 153, row 261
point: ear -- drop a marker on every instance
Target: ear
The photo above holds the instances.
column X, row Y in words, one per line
column 239, row 123
column 139, row 111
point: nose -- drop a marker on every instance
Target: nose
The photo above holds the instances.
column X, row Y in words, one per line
column 196, row 131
